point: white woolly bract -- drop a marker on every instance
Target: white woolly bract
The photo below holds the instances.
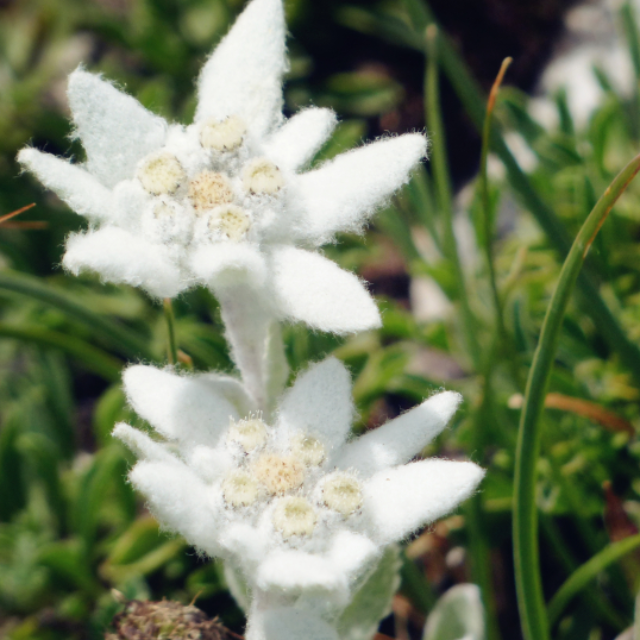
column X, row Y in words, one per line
column 402, row 499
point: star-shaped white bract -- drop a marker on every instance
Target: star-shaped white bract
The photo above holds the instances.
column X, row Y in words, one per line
column 295, row 506
column 222, row 202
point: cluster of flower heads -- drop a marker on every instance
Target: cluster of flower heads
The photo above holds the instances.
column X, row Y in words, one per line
column 293, row 505
column 300, row 513
column 224, row 201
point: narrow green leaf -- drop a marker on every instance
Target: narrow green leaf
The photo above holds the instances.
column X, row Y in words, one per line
column 120, row 337
column 525, row 517
column 580, row 578
column 93, row 358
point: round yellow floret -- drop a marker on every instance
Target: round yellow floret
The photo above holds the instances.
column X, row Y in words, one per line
column 208, row 190
column 308, row 450
column 277, row 473
column 232, row 220
column 249, row 434
column 224, row 135
column 161, row 173
column 294, row 516
column 342, row 492
column 240, row 489
column 262, row 176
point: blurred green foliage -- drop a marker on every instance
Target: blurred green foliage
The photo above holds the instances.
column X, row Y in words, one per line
column 71, row 528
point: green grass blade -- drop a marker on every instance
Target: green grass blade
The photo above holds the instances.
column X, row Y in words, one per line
column 580, row 578
column 170, row 318
column 443, row 189
column 121, row 338
column 92, row 358
column 525, row 517
column 471, row 95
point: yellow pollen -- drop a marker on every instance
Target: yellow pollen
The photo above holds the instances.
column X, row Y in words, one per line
column 294, row 516
column 160, row 173
column 308, row 450
column 262, row 176
column 232, row 220
column 342, row 493
column 249, row 434
column 208, row 190
column 225, row 135
column 279, row 474
column 240, row 489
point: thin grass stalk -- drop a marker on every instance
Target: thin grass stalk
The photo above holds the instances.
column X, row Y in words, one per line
column 121, row 338
column 444, row 191
column 170, row 318
column 582, row 576
column 525, row 518
column 484, row 182
column 92, row 358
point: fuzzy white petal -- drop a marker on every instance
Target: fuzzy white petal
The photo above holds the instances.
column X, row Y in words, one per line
column 297, row 141
column 294, row 571
column 72, row 184
column 350, row 552
column 188, row 408
column 399, row 440
column 226, row 264
column 342, row 194
column 287, row 623
column 243, row 77
column 141, row 444
column 180, row 501
column 319, row 403
column 115, row 129
column 310, row 288
column 120, row 257
column 248, row 544
column 403, row 499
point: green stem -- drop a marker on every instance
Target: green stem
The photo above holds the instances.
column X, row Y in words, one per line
column 121, row 338
column 170, row 318
column 444, row 191
column 580, row 578
column 525, row 517
column 94, row 359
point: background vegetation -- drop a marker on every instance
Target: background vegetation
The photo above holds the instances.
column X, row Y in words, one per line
column 464, row 282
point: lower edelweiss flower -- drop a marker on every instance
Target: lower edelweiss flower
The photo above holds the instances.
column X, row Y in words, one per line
column 224, row 202
column 292, row 506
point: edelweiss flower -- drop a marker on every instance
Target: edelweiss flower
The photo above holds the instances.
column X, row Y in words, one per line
column 300, row 512
column 221, row 201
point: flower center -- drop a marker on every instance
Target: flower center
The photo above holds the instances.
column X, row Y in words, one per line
column 342, row 493
column 294, row 516
column 161, row 173
column 249, row 434
column 309, row 450
column 279, row 474
column 232, row 220
column 261, row 176
column 225, row 135
column 209, row 189
column 240, row 489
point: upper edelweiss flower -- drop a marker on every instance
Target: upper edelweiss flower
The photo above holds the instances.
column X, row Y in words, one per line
column 221, row 201
column 292, row 505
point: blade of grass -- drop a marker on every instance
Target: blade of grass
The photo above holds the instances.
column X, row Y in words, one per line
column 525, row 517
column 484, row 182
column 470, row 94
column 121, row 338
column 170, row 318
column 94, row 359
column 443, row 189
column 580, row 578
